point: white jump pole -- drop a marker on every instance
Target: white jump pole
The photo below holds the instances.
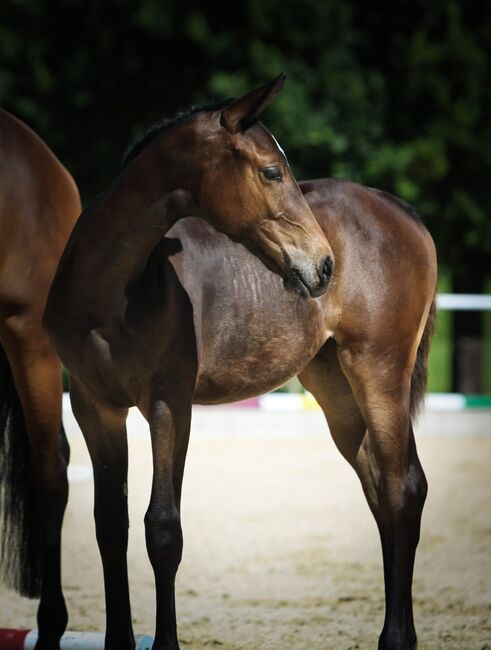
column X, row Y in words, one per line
column 464, row 301
column 11, row 639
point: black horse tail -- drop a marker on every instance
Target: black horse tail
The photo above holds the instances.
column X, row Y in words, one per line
column 419, row 377
column 20, row 543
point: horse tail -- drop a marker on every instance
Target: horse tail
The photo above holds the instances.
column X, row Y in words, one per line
column 20, row 543
column 419, row 377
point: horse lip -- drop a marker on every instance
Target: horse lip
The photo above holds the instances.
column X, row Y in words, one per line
column 299, row 284
column 319, row 291
column 303, row 289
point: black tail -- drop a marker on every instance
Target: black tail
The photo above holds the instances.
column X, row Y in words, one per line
column 20, row 559
column 419, row 378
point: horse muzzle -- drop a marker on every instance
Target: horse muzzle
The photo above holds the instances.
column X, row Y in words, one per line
column 309, row 283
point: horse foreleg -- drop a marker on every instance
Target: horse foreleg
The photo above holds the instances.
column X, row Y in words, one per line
column 392, row 478
column 104, row 430
column 37, row 375
column 170, row 421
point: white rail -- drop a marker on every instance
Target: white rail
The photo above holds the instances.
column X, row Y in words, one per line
column 464, row 301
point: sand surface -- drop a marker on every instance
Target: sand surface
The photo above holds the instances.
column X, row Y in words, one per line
column 281, row 550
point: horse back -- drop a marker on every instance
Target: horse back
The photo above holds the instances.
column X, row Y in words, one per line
column 39, row 203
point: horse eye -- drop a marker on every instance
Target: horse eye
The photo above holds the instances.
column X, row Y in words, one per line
column 272, row 174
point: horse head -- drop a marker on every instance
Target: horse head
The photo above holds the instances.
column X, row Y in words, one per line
column 240, row 181
column 250, row 194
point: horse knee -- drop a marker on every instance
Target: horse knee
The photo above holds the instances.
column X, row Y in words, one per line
column 164, row 538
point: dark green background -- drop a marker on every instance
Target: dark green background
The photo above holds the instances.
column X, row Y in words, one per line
column 395, row 95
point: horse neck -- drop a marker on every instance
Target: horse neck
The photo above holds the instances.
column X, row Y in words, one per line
column 117, row 236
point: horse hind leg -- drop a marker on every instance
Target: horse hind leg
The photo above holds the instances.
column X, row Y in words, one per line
column 19, row 559
column 371, row 426
column 40, row 488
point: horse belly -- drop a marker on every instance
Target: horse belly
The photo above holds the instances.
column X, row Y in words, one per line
column 256, row 341
column 232, row 378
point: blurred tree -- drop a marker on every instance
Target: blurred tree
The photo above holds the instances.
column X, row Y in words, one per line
column 395, row 95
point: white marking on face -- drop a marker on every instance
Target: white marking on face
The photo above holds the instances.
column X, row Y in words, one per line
column 279, row 147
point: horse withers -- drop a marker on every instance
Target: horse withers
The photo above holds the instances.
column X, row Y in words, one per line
column 39, row 204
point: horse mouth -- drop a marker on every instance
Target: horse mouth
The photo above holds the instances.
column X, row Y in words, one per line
column 299, row 285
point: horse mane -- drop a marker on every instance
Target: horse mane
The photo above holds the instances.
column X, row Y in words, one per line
column 167, row 124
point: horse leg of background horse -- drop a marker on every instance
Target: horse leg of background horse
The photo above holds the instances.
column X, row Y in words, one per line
column 383, row 453
column 170, row 421
column 36, row 371
column 104, row 430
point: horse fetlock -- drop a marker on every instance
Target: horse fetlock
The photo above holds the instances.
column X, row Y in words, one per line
column 166, row 646
column 52, row 620
column 119, row 642
column 166, row 641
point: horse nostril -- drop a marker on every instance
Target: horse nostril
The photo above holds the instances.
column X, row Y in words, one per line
column 326, row 270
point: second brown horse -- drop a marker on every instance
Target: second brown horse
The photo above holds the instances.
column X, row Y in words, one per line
column 39, row 204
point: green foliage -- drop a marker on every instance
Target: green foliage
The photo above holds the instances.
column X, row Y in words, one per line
column 395, row 95
column 440, row 360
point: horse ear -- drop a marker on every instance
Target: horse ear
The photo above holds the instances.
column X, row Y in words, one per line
column 243, row 112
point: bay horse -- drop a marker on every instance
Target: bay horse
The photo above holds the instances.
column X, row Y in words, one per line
column 223, row 165
column 39, row 203
column 161, row 323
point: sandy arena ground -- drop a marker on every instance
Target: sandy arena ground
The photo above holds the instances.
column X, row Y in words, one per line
column 280, row 548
